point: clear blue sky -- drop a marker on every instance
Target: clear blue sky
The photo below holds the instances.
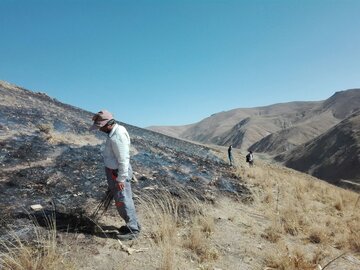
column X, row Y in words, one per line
column 176, row 62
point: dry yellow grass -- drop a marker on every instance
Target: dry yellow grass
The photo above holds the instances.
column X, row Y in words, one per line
column 301, row 222
column 310, row 211
column 43, row 253
column 197, row 239
column 207, row 224
column 70, row 138
column 66, row 137
column 283, row 258
column 273, row 232
column 171, row 224
column 317, row 235
column 162, row 216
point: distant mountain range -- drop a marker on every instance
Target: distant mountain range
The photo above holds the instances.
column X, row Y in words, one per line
column 321, row 138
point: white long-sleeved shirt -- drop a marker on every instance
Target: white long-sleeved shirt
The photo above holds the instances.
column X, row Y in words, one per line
column 117, row 152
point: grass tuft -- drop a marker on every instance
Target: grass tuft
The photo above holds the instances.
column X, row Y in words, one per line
column 39, row 252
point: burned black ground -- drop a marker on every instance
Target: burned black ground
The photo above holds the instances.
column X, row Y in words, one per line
column 71, row 177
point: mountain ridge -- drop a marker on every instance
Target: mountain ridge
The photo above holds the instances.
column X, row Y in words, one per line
column 274, row 129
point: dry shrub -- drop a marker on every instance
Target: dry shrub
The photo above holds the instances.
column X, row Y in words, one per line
column 338, row 204
column 45, row 128
column 354, row 242
column 300, row 190
column 209, row 254
column 197, row 241
column 282, row 258
column 260, row 176
column 348, row 199
column 317, row 235
column 290, row 221
column 165, row 214
column 319, row 255
column 70, row 138
column 354, row 234
column 167, row 256
column 207, row 224
column 165, row 231
column 268, row 197
column 206, row 266
column 325, row 195
column 41, row 252
column 340, row 236
column 272, row 234
column 198, row 244
column 345, row 226
column 251, row 175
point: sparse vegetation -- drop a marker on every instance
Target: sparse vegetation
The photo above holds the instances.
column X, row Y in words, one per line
column 71, row 138
column 176, row 223
column 272, row 233
column 283, row 258
column 169, row 219
column 54, row 137
column 197, row 240
column 305, row 208
column 45, row 128
column 317, row 235
column 41, row 252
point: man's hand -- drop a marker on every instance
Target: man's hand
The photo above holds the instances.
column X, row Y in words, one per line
column 120, row 186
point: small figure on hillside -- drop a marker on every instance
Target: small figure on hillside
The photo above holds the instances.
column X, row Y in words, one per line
column 118, row 171
column 250, row 158
column 230, row 155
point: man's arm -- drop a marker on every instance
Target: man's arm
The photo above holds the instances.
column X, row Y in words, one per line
column 120, row 147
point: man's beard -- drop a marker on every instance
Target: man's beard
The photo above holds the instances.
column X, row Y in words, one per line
column 106, row 131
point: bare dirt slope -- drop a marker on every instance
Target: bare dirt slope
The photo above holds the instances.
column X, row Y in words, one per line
column 250, row 125
column 245, row 127
column 334, row 156
column 288, row 138
column 196, row 211
column 172, row 131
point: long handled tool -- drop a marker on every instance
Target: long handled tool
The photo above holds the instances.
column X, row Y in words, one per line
column 103, row 204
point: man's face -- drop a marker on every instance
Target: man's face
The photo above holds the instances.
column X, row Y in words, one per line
column 106, row 128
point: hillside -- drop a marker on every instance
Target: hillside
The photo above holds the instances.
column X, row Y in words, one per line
column 276, row 129
column 196, row 211
column 334, row 156
column 38, row 130
column 245, row 128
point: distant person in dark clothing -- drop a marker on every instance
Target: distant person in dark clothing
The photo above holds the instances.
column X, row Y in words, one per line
column 250, row 158
column 230, row 155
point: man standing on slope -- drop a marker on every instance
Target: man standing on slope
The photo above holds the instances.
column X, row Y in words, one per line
column 250, row 158
column 118, row 171
column 230, row 156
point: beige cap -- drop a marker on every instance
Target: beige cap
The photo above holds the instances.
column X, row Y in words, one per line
column 101, row 119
